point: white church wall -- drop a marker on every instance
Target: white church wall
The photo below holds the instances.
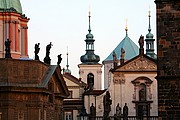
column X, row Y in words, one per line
column 124, row 93
column 96, row 70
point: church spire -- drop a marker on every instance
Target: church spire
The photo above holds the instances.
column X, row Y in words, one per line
column 149, row 29
column 90, row 57
column 89, row 22
column 67, row 65
column 149, row 40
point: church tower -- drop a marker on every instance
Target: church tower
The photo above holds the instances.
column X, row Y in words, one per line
column 168, row 58
column 150, row 41
column 90, row 71
column 13, row 26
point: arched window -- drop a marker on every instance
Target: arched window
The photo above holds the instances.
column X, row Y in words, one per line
column 142, row 90
column 90, row 80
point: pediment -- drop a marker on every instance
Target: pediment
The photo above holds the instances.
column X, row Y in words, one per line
column 141, row 63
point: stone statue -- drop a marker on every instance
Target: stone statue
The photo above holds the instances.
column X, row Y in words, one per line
column 114, row 59
column 142, row 96
column 107, row 106
column 125, row 111
column 114, row 56
column 47, row 58
column 118, row 110
column 48, row 47
column 122, row 53
column 141, row 42
column 59, row 59
column 7, row 48
column 92, row 112
column 36, row 51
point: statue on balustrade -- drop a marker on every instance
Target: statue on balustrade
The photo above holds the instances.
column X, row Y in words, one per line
column 107, row 106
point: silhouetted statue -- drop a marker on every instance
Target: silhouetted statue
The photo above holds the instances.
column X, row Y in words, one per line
column 118, row 110
column 48, row 47
column 141, row 44
column 114, row 59
column 36, row 51
column 7, row 48
column 47, row 58
column 107, row 106
column 125, row 111
column 122, row 56
column 92, row 112
column 122, row 53
column 59, row 59
column 141, row 41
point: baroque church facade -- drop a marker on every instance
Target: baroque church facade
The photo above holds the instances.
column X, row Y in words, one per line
column 129, row 76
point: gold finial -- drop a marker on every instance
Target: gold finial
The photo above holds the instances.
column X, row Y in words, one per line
column 126, row 25
column 89, row 10
column 67, row 50
column 149, row 12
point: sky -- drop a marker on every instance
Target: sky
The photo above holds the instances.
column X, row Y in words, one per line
column 65, row 24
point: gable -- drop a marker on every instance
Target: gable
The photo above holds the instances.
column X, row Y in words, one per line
column 140, row 63
column 55, row 82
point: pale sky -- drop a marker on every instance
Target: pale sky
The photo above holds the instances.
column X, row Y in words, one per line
column 65, row 23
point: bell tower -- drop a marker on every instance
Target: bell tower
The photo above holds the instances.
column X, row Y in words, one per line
column 90, row 71
column 168, row 58
column 13, row 26
column 150, row 41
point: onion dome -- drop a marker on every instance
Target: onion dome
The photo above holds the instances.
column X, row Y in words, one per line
column 90, row 57
column 10, row 6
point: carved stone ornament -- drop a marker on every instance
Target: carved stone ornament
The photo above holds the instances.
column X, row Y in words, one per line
column 119, row 79
column 140, row 64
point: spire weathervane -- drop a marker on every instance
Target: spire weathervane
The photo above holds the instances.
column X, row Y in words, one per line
column 126, row 29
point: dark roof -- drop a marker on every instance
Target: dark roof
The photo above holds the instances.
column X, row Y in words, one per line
column 95, row 92
column 74, row 79
column 30, row 74
column 72, row 104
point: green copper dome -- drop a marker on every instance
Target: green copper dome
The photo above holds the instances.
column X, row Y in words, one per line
column 128, row 45
column 149, row 35
column 10, row 5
